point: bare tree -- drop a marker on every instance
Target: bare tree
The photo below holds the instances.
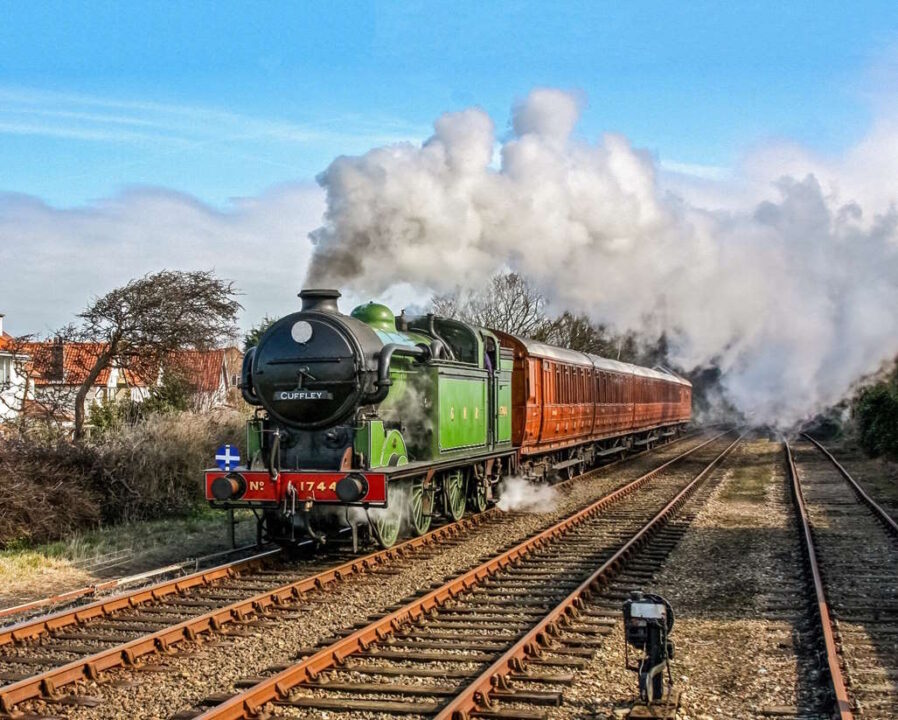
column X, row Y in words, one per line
column 578, row 332
column 141, row 323
column 508, row 303
column 446, row 305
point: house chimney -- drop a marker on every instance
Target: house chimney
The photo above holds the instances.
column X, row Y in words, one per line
column 57, row 360
column 320, row 300
column 1, row 324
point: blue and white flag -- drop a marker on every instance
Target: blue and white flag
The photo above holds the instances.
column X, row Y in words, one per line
column 227, row 457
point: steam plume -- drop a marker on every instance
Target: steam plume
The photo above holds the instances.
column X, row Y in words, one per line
column 792, row 293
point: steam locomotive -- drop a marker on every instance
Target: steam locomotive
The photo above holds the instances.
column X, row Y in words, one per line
column 372, row 424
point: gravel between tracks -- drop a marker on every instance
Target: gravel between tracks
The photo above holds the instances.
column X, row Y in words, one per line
column 737, row 599
column 206, row 668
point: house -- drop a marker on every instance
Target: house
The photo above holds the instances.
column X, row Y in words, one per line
column 213, row 375
column 57, row 369
column 42, row 379
column 13, row 378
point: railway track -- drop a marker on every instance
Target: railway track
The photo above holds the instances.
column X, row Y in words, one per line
column 496, row 641
column 81, row 643
column 79, row 596
column 40, row 656
column 851, row 548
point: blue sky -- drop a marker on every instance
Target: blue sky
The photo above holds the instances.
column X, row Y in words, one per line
column 225, row 99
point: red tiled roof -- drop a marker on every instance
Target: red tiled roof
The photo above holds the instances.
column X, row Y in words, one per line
column 201, row 368
column 70, row 364
column 5, row 340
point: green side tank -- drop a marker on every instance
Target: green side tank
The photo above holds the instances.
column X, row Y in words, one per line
column 452, row 406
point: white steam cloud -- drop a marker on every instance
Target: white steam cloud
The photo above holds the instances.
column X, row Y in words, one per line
column 789, row 285
column 516, row 493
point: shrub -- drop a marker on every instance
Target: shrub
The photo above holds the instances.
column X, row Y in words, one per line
column 155, row 468
column 875, row 412
column 44, row 493
column 50, row 486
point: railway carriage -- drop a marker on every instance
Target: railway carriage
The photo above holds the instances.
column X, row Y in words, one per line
column 570, row 408
column 373, row 423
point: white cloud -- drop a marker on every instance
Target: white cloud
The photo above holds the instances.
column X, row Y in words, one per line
column 52, row 261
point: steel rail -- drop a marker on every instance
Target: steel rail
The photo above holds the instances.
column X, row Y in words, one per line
column 121, row 582
column 33, row 628
column 877, row 509
column 843, row 704
column 46, row 683
column 476, row 695
column 246, row 704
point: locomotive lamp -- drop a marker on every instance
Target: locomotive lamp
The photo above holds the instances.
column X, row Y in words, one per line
column 648, row 620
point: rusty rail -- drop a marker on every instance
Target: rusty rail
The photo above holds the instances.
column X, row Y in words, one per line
column 877, row 509
column 843, row 704
column 121, row 582
column 476, row 695
column 41, row 625
column 247, row 704
column 30, row 629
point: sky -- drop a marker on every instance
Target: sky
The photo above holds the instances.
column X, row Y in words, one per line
column 135, row 136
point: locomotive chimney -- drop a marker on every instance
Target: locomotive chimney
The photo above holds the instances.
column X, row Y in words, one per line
column 320, row 300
